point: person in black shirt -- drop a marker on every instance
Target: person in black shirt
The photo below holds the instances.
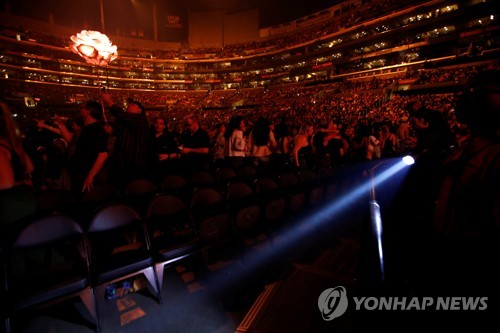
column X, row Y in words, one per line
column 195, row 145
column 132, row 155
column 165, row 148
column 90, row 149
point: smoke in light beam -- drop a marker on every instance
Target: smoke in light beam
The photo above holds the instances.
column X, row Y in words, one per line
column 309, row 226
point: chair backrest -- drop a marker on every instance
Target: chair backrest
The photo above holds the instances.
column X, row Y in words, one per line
column 46, row 229
column 238, row 190
column 288, row 181
column 205, row 197
column 225, row 174
column 174, row 182
column 265, row 185
column 308, row 178
column 101, row 193
column 49, row 201
column 113, row 216
column 165, row 205
column 247, row 173
column 202, row 179
column 140, row 186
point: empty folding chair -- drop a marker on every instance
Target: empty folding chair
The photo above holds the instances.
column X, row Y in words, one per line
column 177, row 185
column 209, row 214
column 243, row 207
column 314, row 189
column 247, row 174
column 45, row 263
column 99, row 195
column 272, row 202
column 55, row 200
column 291, row 187
column 201, row 179
column 119, row 248
column 225, row 174
column 172, row 233
column 138, row 192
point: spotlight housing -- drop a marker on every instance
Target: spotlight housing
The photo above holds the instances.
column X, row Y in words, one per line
column 408, row 160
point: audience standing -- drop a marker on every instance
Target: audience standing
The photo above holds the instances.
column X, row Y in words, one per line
column 17, row 199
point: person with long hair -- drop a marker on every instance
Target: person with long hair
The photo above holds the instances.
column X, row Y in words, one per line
column 236, row 144
column 17, row 198
column 262, row 143
column 301, row 150
column 132, row 155
column 388, row 141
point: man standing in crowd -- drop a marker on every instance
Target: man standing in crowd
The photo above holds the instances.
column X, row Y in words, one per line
column 195, row 145
column 91, row 151
column 132, row 154
column 165, row 148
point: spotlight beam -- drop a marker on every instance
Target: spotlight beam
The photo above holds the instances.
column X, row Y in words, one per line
column 315, row 224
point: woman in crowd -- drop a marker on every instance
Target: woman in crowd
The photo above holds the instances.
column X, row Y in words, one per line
column 388, row 141
column 219, row 144
column 300, row 149
column 262, row 144
column 17, row 199
column 236, row 144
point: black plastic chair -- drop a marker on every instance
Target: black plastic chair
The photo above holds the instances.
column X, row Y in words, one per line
column 247, row 174
column 46, row 262
column 291, row 187
column 243, row 207
column 177, row 185
column 140, row 187
column 119, row 248
column 55, row 200
column 313, row 187
column 202, row 178
column 172, row 233
column 209, row 214
column 138, row 193
column 272, row 201
column 99, row 195
column 226, row 174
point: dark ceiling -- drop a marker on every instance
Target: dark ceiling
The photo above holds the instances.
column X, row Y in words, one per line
column 271, row 11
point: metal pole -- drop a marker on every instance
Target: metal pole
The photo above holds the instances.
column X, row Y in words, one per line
column 101, row 6
column 376, row 224
column 155, row 23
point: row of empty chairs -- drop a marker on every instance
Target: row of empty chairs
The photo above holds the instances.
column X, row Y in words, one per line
column 79, row 248
column 52, row 257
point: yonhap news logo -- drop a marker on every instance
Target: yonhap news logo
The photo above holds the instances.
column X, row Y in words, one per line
column 333, row 303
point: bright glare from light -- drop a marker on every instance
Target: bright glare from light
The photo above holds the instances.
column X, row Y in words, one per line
column 408, row 160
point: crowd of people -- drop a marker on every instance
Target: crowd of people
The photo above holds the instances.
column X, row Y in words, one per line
column 300, row 126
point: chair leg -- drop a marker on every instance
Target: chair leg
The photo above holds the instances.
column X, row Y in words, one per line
column 89, row 300
column 7, row 325
column 150, row 275
column 99, row 295
column 160, row 269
